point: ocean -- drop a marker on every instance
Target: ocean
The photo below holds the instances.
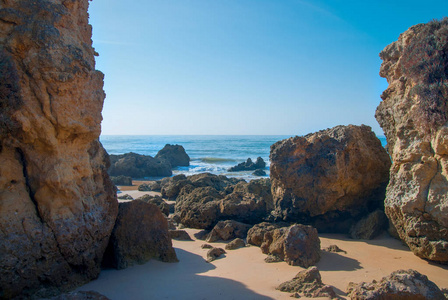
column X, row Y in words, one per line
column 208, row 153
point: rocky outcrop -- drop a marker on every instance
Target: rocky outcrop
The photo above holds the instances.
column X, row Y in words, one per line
column 249, row 165
column 121, row 180
column 228, row 230
column 180, row 235
column 138, row 166
column 309, row 284
column 329, row 179
column 140, row 234
column 413, row 115
column 57, row 203
column 371, row 226
column 214, row 254
column 157, row 201
column 210, row 198
column 151, row 186
column 297, row 245
column 402, row 284
column 236, row 244
column 175, row 155
column 255, row 235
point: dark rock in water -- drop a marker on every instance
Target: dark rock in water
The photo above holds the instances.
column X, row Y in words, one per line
column 57, row 203
column 371, row 226
column 209, row 199
column 180, row 235
column 401, row 284
column 175, row 155
column 121, row 180
column 157, row 201
column 308, row 283
column 81, row 295
column 249, row 165
column 125, row 197
column 255, row 235
column 329, row 179
column 140, row 234
column 228, row 230
column 297, row 245
column 138, row 166
column 259, row 172
column 414, row 115
column 214, row 253
column 334, row 249
column 235, row 244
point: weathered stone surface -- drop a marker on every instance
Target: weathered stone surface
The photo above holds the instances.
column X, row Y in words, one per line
column 255, row 235
column 334, row 249
column 249, row 165
column 209, row 199
column 297, row 245
column 235, row 244
column 157, row 201
column 138, row 166
column 228, row 230
column 413, row 115
column 82, row 295
column 151, row 186
column 180, row 235
column 308, row 283
column 175, row 155
column 371, row 226
column 206, row 246
column 57, row 203
column 121, row 180
column 214, row 253
column 330, row 178
column 171, row 188
column 401, row 284
column 140, row 234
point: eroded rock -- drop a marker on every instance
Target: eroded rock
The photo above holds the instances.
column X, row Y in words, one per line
column 249, row 165
column 138, row 166
column 214, row 254
column 413, row 115
column 329, row 179
column 228, row 230
column 175, row 155
column 371, row 226
column 235, row 244
column 180, row 235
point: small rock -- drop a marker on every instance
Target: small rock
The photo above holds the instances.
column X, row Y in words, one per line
column 180, row 235
column 272, row 259
column 227, row 230
column 206, row 246
column 125, row 197
column 235, row 244
column 214, row 253
column 202, row 235
column 334, row 248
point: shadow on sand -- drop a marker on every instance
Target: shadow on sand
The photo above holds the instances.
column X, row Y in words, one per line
column 334, row 262
column 158, row 280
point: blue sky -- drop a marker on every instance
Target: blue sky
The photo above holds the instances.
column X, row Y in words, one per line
column 286, row 67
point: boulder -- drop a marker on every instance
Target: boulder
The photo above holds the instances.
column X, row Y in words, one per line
column 140, row 234
column 255, row 235
column 175, row 155
column 172, row 187
column 249, row 165
column 121, row 180
column 371, row 226
column 308, row 283
column 180, row 235
column 206, row 246
column 235, row 244
column 202, row 207
column 329, row 179
column 297, row 245
column 272, row 259
column 214, row 253
column 157, row 201
column 334, row 249
column 259, row 172
column 401, row 284
column 228, row 230
column 413, row 115
column 138, row 166
column 57, row 203
column 81, row 295
column 150, row 186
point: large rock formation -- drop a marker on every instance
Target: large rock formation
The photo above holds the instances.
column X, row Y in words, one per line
column 330, row 178
column 413, row 115
column 138, row 166
column 175, row 155
column 57, row 203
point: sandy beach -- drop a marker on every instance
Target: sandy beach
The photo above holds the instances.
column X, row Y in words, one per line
column 243, row 274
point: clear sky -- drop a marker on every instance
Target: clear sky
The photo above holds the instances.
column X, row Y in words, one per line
column 246, row 66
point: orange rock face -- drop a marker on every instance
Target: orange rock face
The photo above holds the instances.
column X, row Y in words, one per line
column 413, row 115
column 57, row 204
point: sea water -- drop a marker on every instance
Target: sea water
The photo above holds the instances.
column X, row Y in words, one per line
column 208, row 153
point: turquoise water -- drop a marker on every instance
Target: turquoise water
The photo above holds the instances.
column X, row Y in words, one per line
column 214, row 154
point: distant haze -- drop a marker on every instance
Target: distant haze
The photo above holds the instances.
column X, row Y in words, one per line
column 263, row 67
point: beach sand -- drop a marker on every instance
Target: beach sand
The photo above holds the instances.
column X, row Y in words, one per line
column 243, row 274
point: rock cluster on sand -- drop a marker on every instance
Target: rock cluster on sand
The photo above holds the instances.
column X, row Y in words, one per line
column 402, row 284
column 308, row 283
column 140, row 234
column 413, row 115
column 58, row 205
column 329, row 179
column 206, row 199
column 297, row 245
column 249, row 165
